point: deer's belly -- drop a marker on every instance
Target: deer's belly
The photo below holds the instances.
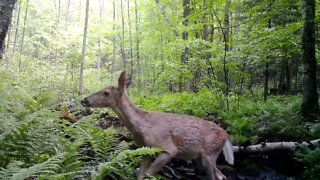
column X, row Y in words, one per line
column 188, row 155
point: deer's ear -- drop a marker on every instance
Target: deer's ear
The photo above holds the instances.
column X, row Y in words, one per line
column 128, row 81
column 122, row 81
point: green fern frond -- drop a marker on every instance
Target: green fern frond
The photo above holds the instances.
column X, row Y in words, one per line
column 124, row 164
column 15, row 172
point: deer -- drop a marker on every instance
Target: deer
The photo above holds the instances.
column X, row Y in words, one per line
column 179, row 136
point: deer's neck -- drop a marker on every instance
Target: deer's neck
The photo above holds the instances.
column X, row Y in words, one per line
column 130, row 115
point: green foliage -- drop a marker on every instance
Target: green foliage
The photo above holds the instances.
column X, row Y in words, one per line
column 124, row 164
column 311, row 159
column 37, row 144
column 278, row 119
column 200, row 104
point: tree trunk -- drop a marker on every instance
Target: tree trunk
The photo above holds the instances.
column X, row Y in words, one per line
column 266, row 73
column 5, row 14
column 184, row 56
column 80, row 92
column 7, row 46
column 130, row 40
column 57, row 29
column 99, row 36
column 137, row 47
column 123, row 58
column 113, row 66
column 67, row 16
column 226, row 49
column 17, row 30
column 266, row 82
column 310, row 104
column 23, row 32
column 80, row 7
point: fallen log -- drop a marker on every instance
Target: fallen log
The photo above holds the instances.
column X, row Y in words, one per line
column 275, row 146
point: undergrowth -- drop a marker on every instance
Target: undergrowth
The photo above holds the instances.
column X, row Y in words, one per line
column 278, row 119
column 36, row 144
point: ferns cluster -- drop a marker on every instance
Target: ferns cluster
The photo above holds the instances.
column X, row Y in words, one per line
column 35, row 143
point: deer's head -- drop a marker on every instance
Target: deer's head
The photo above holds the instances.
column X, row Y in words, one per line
column 109, row 96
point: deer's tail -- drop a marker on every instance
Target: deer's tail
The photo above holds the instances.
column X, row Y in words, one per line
column 228, row 152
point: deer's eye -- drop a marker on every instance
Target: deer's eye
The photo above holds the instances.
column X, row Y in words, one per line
column 106, row 93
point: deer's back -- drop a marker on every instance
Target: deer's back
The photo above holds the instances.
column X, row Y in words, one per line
column 190, row 135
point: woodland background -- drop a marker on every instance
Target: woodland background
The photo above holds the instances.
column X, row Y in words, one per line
column 252, row 66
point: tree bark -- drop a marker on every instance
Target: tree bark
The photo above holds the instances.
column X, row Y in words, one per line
column 6, row 9
column 80, row 92
column 310, row 104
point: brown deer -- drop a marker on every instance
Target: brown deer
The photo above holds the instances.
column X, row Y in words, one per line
column 180, row 136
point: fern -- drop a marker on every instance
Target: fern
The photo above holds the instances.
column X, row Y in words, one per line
column 123, row 166
column 14, row 170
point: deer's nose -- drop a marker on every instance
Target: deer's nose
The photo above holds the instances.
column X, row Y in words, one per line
column 85, row 102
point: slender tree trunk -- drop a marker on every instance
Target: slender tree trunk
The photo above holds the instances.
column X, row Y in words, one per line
column 113, row 67
column 83, row 48
column 266, row 74
column 310, row 104
column 266, row 82
column 137, row 46
column 123, row 58
column 226, row 49
column 23, row 32
column 7, row 46
column 17, row 31
column 67, row 16
column 99, row 36
column 130, row 39
column 184, row 56
column 5, row 14
column 80, row 7
column 57, row 28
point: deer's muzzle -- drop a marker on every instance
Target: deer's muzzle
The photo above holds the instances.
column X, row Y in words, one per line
column 85, row 102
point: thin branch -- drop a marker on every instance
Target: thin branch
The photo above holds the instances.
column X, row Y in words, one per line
column 166, row 17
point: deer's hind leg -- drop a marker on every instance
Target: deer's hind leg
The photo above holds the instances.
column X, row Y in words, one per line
column 159, row 162
column 208, row 162
column 208, row 166
column 143, row 168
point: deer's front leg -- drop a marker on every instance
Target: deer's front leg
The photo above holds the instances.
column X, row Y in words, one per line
column 159, row 162
column 143, row 168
